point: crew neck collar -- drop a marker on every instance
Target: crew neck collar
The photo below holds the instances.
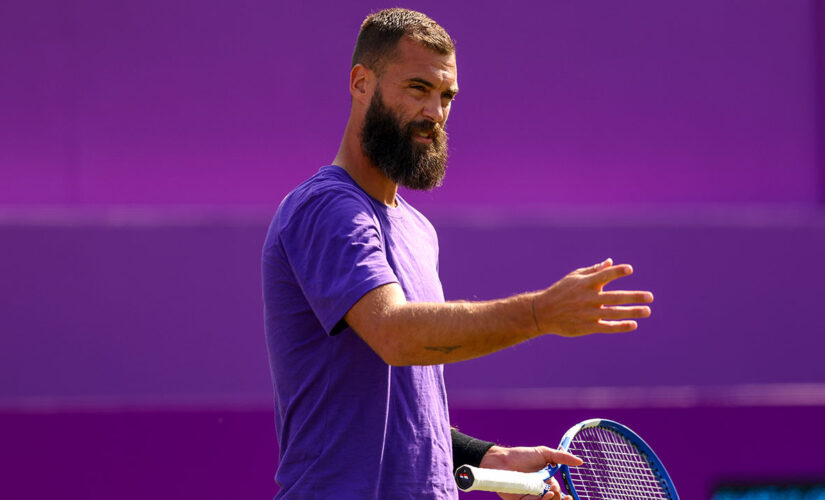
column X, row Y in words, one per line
column 395, row 212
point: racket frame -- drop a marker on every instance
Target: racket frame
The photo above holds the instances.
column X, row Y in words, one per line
column 467, row 482
column 646, row 451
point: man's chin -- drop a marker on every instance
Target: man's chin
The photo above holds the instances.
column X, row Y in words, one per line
column 424, row 174
column 419, row 184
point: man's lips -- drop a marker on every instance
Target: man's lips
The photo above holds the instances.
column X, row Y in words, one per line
column 424, row 137
column 423, row 134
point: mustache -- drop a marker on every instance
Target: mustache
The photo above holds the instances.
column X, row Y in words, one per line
column 425, row 126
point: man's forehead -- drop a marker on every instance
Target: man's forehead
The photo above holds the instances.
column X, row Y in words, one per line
column 413, row 60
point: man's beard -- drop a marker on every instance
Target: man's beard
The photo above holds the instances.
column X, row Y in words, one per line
column 391, row 147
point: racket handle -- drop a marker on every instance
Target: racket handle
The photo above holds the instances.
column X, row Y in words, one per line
column 471, row 478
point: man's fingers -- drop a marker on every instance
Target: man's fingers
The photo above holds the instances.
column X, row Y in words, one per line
column 605, row 276
column 623, row 312
column 596, row 267
column 557, row 457
column 617, row 326
column 625, row 297
column 555, row 490
column 550, row 495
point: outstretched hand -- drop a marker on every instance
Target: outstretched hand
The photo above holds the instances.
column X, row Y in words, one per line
column 529, row 459
column 578, row 305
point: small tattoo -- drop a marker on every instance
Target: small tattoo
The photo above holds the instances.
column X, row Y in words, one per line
column 445, row 349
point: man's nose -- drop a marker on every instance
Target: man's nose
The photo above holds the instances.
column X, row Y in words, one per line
column 433, row 110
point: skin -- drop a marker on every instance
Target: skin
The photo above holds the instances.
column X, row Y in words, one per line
column 417, row 84
column 529, row 459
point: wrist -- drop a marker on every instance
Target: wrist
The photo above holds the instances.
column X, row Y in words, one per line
column 533, row 310
column 468, row 450
column 533, row 320
column 495, row 458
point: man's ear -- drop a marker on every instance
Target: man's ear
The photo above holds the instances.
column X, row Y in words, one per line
column 361, row 81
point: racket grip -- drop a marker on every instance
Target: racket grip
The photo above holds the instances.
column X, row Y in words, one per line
column 469, row 478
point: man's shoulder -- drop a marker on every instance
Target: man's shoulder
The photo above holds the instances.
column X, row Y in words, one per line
column 330, row 189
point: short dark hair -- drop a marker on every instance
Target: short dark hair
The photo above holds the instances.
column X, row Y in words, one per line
column 381, row 32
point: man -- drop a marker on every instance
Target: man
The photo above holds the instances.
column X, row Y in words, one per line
column 357, row 327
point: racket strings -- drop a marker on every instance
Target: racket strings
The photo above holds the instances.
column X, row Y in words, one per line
column 613, row 468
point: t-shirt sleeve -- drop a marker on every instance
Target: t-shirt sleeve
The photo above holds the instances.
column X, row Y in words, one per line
column 334, row 247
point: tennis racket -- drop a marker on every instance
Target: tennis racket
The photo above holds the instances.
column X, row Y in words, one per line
column 618, row 465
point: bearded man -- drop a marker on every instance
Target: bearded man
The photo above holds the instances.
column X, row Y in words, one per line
column 357, row 327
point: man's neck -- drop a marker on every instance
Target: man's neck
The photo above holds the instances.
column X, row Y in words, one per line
column 351, row 158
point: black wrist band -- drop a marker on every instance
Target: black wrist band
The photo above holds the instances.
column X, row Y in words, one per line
column 468, row 450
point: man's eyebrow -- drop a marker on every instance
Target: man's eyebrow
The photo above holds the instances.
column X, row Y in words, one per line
column 451, row 92
column 421, row 81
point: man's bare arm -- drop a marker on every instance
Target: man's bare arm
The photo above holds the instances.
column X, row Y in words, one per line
column 421, row 333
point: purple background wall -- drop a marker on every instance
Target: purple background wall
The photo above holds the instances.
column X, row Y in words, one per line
column 144, row 146
column 169, row 103
column 173, row 308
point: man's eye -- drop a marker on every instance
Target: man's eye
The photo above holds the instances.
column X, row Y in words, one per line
column 418, row 87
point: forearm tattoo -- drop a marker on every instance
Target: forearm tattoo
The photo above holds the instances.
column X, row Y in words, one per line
column 447, row 349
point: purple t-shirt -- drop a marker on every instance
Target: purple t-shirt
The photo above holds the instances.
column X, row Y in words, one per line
column 349, row 425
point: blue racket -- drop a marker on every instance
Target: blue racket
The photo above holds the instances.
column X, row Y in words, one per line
column 618, row 465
